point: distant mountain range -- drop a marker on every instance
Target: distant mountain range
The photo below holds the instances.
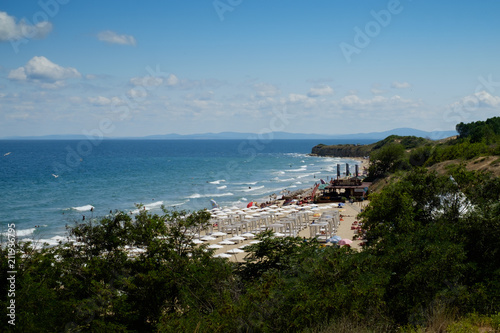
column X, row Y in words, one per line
column 435, row 135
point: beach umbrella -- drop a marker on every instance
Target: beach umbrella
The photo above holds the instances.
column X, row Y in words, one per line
column 237, row 238
column 222, row 255
column 227, row 242
column 235, row 251
column 345, row 241
column 197, row 241
column 279, row 234
column 208, row 238
column 218, row 234
column 248, row 235
column 255, row 242
column 215, row 246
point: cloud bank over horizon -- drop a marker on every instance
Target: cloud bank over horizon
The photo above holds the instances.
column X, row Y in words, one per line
column 194, row 73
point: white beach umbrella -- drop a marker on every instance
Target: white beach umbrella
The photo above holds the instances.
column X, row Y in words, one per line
column 243, row 246
column 218, row 234
column 208, row 238
column 215, row 246
column 237, row 238
column 227, row 242
column 234, row 251
column 255, row 242
column 279, row 234
column 197, row 241
column 222, row 255
column 248, row 235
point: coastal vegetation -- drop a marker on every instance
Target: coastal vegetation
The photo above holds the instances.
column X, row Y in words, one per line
column 476, row 141
column 431, row 263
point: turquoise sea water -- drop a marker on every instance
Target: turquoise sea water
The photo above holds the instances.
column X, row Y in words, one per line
column 51, row 183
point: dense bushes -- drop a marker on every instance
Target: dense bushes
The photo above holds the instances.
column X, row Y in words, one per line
column 434, row 243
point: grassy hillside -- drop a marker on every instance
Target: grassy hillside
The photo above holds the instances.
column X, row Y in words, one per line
column 477, row 147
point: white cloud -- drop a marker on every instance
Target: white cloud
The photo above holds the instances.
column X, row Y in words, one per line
column 42, row 70
column 324, row 90
column 294, row 98
column 137, row 93
column 266, row 90
column 172, row 80
column 146, row 81
column 155, row 81
column 10, row 30
column 479, row 99
column 112, row 37
column 18, row 74
column 400, row 85
column 354, row 102
column 377, row 89
column 105, row 101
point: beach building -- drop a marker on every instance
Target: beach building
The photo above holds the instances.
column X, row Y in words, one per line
column 341, row 189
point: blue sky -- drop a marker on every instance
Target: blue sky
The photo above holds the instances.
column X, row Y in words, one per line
column 133, row 68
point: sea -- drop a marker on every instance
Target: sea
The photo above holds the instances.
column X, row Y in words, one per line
column 46, row 185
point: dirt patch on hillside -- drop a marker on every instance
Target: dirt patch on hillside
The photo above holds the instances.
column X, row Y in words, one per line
column 484, row 163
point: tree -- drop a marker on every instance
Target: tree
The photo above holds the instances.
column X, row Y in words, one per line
column 389, row 158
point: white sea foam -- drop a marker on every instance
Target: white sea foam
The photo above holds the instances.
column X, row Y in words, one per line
column 148, row 207
column 302, row 168
column 252, row 189
column 25, row 232
column 246, row 183
column 216, row 182
column 198, row 195
column 83, row 208
column 178, row 203
column 221, row 187
column 285, row 180
column 153, row 205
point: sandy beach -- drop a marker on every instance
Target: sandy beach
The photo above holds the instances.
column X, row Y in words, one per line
column 347, row 228
column 344, row 230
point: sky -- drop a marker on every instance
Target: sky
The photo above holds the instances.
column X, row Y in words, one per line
column 136, row 68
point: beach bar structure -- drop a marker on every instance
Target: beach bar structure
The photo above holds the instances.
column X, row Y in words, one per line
column 343, row 188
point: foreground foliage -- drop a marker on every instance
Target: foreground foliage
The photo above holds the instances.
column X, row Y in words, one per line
column 434, row 252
